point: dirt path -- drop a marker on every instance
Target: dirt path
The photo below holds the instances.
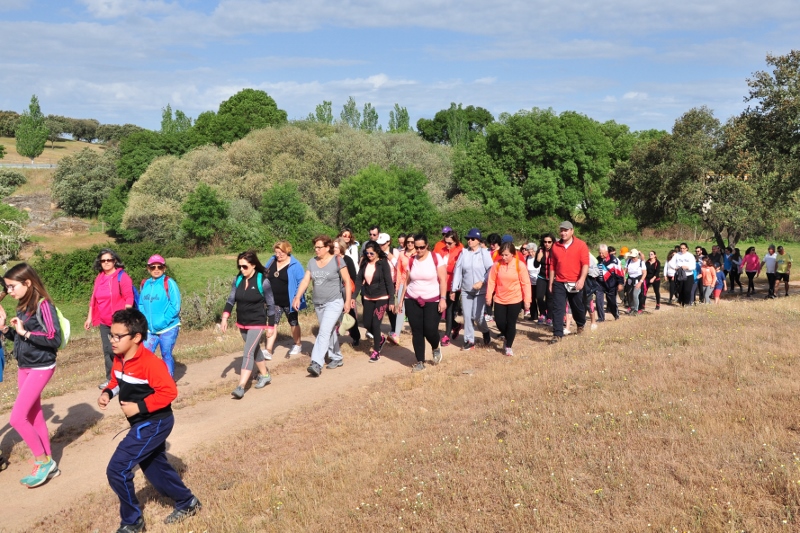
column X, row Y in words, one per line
column 83, row 455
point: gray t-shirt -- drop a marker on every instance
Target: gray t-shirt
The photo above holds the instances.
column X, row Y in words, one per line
column 327, row 287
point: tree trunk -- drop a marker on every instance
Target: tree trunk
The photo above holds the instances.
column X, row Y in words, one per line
column 733, row 238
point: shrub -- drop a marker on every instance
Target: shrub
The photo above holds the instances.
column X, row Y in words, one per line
column 205, row 214
column 112, row 211
column 12, row 232
column 84, row 180
column 205, row 309
column 9, row 181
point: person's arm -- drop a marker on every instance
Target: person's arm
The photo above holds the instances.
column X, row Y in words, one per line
column 174, row 295
column 348, row 293
column 441, row 271
column 51, row 336
column 269, row 297
column 126, row 286
column 491, row 282
column 584, row 268
column 387, row 281
column 223, row 325
column 301, row 290
column 164, row 392
column 525, row 284
column 407, row 278
column 457, row 276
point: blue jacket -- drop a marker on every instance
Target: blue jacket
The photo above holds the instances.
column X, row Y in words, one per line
column 163, row 313
column 295, row 273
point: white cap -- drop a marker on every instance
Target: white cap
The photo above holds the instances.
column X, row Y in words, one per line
column 383, row 238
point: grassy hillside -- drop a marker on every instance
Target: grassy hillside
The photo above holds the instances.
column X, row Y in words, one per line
column 51, row 154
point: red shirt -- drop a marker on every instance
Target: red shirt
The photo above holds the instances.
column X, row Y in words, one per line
column 568, row 261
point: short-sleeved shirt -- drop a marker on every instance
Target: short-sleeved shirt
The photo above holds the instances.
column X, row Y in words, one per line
column 781, row 262
column 769, row 262
column 327, row 285
column 720, row 281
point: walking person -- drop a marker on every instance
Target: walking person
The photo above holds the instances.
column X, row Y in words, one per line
column 533, row 273
column 285, row 273
column 683, row 263
column 160, row 303
column 568, row 270
column 708, row 275
column 592, row 294
column 720, row 284
column 669, row 275
column 783, row 267
column 451, row 254
column 146, row 392
column 636, row 271
column 770, row 261
column 377, row 294
column 751, row 266
column 251, row 293
column 351, row 249
column 652, row 278
column 509, row 288
column 542, row 262
column 332, row 296
column 385, row 243
column 423, row 298
column 469, row 277
column 112, row 291
column 611, row 277
column 400, row 276
column 352, row 270
column 36, row 334
column 736, row 271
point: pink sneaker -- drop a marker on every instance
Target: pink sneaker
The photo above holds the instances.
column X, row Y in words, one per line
column 445, row 341
column 394, row 339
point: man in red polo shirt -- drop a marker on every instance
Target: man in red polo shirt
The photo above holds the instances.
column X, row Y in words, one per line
column 568, row 268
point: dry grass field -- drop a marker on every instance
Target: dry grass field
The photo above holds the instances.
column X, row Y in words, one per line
column 52, row 153
column 682, row 420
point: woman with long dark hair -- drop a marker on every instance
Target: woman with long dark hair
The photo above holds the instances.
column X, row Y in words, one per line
column 509, row 288
column 113, row 290
column 669, row 275
column 377, row 294
column 652, row 279
column 542, row 262
column 36, row 333
column 751, row 266
column 251, row 293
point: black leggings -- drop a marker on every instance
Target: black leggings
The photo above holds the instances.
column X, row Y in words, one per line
column 450, row 312
column 736, row 279
column 424, row 323
column 373, row 316
column 656, row 285
column 750, row 285
column 684, row 291
column 505, row 318
column 543, row 298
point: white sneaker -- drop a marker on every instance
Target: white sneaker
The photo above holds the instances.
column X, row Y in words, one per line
column 267, row 355
column 566, row 331
column 593, row 327
column 509, row 352
column 369, row 335
column 295, row 349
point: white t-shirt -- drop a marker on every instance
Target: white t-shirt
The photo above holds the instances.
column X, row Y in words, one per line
column 769, row 262
column 635, row 268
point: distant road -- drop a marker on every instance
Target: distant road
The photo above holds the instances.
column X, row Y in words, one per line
column 28, row 165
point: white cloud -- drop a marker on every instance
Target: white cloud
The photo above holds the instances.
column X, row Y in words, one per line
column 634, row 95
column 109, row 9
column 491, row 80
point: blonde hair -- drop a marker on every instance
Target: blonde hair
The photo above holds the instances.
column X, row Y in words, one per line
column 342, row 244
column 284, row 246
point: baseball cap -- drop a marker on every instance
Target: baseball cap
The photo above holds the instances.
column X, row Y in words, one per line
column 507, row 238
column 474, row 233
column 446, row 229
column 565, row 225
column 156, row 259
column 383, row 238
column 633, row 253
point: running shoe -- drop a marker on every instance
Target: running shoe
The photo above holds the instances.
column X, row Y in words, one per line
column 374, row 356
column 394, row 338
column 238, row 392
column 263, row 381
column 178, row 515
column 456, row 331
column 549, row 322
column 296, row 349
column 541, row 320
column 419, row 367
column 509, row 352
column 136, row 527
column 445, row 341
column 267, row 355
column 42, row 471
column 437, row 356
column 335, row 363
column 468, row 345
column 314, row 369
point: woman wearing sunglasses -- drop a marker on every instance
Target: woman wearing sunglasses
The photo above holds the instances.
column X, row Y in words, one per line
column 424, row 299
column 251, row 293
column 542, row 262
column 160, row 302
column 113, row 290
column 377, row 293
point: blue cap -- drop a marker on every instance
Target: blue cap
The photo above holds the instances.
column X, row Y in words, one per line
column 507, row 238
column 474, row 233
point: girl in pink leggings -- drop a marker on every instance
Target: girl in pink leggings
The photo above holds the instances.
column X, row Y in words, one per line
column 36, row 333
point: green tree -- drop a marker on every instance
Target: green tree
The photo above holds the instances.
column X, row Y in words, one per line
column 396, row 198
column 455, row 125
column 8, row 123
column 114, row 133
column 83, row 129
column 369, row 118
column 56, row 127
column 112, row 211
column 350, row 114
column 31, row 132
column 398, row 120
column 178, row 123
column 323, row 113
column 247, row 110
column 84, row 180
column 139, row 149
column 205, row 214
column 282, row 208
column 2, row 151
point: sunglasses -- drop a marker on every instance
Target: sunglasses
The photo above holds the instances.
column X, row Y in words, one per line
column 420, row 247
column 156, row 267
column 370, row 254
column 451, row 243
column 106, row 260
column 244, row 267
column 472, row 238
column 548, row 242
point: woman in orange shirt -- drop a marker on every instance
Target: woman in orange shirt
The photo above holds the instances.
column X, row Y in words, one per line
column 510, row 289
column 709, row 274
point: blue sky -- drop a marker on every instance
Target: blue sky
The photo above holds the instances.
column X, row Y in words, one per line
column 638, row 62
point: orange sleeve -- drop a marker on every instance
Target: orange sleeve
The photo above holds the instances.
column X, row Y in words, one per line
column 524, row 282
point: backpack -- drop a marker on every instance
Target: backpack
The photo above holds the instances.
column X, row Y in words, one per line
column 63, row 324
column 133, row 288
column 239, row 279
column 166, row 288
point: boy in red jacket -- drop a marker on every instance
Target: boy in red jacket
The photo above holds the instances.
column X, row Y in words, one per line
column 145, row 390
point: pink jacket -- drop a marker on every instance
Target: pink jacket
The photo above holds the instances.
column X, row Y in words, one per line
column 103, row 304
column 750, row 263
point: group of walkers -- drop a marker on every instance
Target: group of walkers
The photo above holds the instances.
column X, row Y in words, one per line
column 551, row 283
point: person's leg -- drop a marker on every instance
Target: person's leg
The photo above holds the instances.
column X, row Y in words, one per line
column 643, row 295
column 611, row 301
column 354, row 332
column 367, row 321
column 786, row 283
column 399, row 322
column 449, row 315
column 634, row 297
column 501, row 318
column 331, row 313
column 161, row 475
column 272, row 335
column 108, row 352
column 430, row 324
column 26, row 415
column 512, row 314
column 771, row 282
column 415, row 322
column 392, row 320
column 657, row 292
column 378, row 310
column 693, row 293
column 751, row 288
column 152, row 342
column 559, row 305
column 600, row 300
column 534, row 304
column 578, row 309
column 541, row 293
column 250, row 354
column 468, row 306
column 688, row 290
column 167, row 342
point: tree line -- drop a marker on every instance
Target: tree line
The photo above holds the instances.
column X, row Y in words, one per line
column 518, row 172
